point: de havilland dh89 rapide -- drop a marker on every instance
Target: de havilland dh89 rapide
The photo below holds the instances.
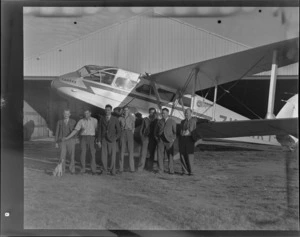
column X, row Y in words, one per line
column 176, row 89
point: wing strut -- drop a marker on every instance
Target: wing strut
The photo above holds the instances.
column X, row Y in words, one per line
column 194, row 90
column 178, row 96
column 215, row 100
column 180, row 93
column 157, row 96
column 272, row 88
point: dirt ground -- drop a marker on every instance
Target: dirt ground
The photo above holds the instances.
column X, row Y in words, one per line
column 232, row 189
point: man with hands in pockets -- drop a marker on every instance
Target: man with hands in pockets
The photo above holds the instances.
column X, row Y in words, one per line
column 165, row 134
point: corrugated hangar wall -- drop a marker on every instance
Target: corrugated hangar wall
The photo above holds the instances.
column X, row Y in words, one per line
column 149, row 42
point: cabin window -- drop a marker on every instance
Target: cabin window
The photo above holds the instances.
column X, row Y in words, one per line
column 186, row 101
column 106, row 78
column 166, row 95
column 146, row 90
column 125, row 83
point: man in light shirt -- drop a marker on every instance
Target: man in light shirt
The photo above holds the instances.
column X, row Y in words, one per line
column 127, row 123
column 87, row 128
column 187, row 142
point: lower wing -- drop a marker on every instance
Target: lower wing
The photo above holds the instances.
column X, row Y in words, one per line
column 244, row 128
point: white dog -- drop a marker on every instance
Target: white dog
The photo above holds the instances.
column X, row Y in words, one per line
column 58, row 170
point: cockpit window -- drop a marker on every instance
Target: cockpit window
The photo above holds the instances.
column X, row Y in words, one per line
column 125, row 83
column 92, row 77
column 98, row 74
column 83, row 72
column 90, row 69
column 111, row 71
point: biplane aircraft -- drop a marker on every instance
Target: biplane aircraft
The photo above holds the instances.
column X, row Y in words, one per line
column 176, row 89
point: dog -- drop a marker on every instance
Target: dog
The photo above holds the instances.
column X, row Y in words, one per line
column 58, row 171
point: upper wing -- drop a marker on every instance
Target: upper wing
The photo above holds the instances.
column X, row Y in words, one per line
column 244, row 128
column 230, row 67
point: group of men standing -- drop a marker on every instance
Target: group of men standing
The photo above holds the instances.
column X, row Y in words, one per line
column 157, row 135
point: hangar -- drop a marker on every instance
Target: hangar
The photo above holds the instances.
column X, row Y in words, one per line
column 146, row 42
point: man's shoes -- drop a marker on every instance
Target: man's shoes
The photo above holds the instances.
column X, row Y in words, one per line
column 141, row 171
column 82, row 171
column 103, row 172
column 191, row 174
column 94, row 173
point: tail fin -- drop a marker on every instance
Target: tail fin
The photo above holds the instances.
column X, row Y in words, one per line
column 289, row 110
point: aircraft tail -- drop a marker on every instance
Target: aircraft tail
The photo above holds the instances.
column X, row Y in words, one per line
column 289, row 110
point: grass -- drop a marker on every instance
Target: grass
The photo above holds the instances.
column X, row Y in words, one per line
column 232, row 190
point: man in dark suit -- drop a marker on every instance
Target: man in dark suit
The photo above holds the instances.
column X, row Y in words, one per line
column 63, row 128
column 148, row 140
column 109, row 131
column 187, row 142
column 165, row 133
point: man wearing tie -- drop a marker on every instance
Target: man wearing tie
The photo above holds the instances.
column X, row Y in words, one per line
column 187, row 143
column 148, row 140
column 87, row 126
column 127, row 122
column 165, row 133
column 108, row 132
column 63, row 128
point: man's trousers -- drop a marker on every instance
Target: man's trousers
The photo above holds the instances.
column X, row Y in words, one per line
column 148, row 144
column 126, row 140
column 68, row 147
column 88, row 142
column 163, row 146
column 186, row 148
column 108, row 150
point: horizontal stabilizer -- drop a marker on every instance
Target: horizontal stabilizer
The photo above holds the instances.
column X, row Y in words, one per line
column 244, row 128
